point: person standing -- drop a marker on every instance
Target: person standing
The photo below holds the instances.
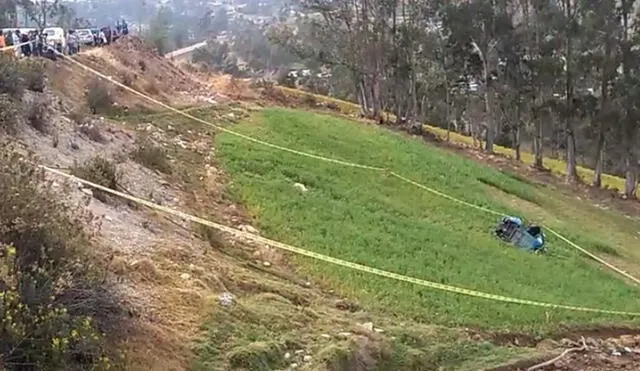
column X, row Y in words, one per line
column 26, row 45
column 72, row 43
column 16, row 42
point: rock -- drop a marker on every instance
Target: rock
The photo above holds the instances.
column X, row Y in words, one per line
column 299, row 351
column 249, row 229
column 73, row 145
column 326, row 336
column 628, row 340
column 547, row 344
column 378, row 330
column 185, row 276
column 568, row 343
column 108, row 218
column 293, row 365
column 591, row 342
column 615, row 353
column 301, row 187
column 347, row 305
column 226, row 299
column 344, row 335
column 367, row 326
column 307, row 358
column 287, row 355
column 266, row 264
column 627, row 350
column 87, row 191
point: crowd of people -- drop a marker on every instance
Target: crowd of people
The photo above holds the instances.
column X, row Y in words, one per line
column 36, row 43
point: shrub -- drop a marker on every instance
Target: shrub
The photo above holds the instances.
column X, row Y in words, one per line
column 152, row 156
column 152, row 88
column 310, row 100
column 9, row 114
column 92, row 131
column 100, row 171
column 54, row 303
column 99, row 98
column 79, row 116
column 38, row 114
column 86, row 127
column 127, row 79
column 11, row 81
column 33, row 73
column 285, row 79
column 212, row 236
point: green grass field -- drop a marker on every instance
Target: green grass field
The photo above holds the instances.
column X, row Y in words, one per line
column 376, row 220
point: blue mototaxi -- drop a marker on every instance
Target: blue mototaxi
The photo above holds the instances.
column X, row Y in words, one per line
column 512, row 230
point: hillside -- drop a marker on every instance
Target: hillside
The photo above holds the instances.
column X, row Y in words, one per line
column 191, row 297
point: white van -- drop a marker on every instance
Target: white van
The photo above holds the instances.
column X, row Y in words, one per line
column 55, row 37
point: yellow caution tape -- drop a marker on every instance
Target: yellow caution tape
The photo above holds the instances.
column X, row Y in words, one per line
column 336, row 261
column 327, row 159
column 15, row 46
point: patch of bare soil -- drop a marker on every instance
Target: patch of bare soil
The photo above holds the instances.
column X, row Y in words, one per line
column 131, row 62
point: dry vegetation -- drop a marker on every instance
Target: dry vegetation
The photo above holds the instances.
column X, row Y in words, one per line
column 56, row 304
column 100, row 171
column 152, row 156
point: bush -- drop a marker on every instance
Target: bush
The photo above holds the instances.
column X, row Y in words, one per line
column 9, row 114
column 54, row 304
column 79, row 117
column 127, row 79
column 38, row 114
column 152, row 156
column 100, row 171
column 99, row 98
column 93, row 132
column 152, row 88
column 11, row 81
column 310, row 100
column 34, row 75
column 285, row 79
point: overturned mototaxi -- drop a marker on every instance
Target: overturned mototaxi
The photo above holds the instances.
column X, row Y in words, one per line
column 512, row 230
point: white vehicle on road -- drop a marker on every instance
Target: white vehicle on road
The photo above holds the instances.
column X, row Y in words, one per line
column 56, row 38
column 85, row 37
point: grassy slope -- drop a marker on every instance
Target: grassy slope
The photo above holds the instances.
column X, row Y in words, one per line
column 265, row 325
column 379, row 221
column 555, row 165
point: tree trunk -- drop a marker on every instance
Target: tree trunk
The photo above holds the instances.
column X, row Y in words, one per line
column 516, row 131
column 597, row 175
column 362, row 97
column 516, row 144
column 488, row 105
column 572, row 174
column 537, row 144
column 375, row 98
column 631, row 177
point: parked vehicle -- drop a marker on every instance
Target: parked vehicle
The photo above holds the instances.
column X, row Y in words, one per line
column 55, row 37
column 85, row 36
